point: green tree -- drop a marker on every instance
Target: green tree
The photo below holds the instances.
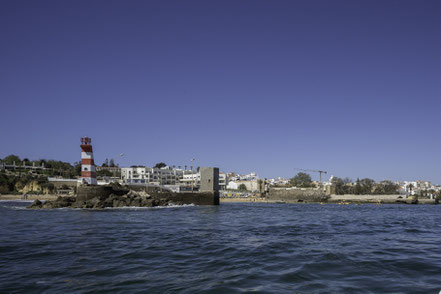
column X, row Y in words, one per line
column 388, row 187
column 112, row 163
column 410, row 188
column 301, row 180
column 347, row 181
column 242, row 187
column 105, row 163
column 160, row 165
column 77, row 168
column 357, row 188
column 10, row 159
column 367, row 185
column 339, row 185
column 104, row 173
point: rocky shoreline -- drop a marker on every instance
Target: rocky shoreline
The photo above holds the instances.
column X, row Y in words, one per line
column 111, row 196
column 131, row 198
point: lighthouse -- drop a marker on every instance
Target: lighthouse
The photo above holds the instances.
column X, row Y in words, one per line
column 88, row 172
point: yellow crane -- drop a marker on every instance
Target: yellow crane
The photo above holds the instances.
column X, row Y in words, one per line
column 313, row 170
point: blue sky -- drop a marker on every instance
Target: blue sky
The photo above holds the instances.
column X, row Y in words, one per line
column 351, row 87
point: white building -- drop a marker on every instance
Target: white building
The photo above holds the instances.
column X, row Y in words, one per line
column 278, row 181
column 166, row 176
column 251, row 186
column 194, row 179
column 149, row 175
column 248, row 177
column 191, row 179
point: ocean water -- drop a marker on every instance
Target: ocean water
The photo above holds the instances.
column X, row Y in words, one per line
column 233, row 248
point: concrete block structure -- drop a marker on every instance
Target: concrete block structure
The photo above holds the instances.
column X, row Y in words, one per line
column 209, row 179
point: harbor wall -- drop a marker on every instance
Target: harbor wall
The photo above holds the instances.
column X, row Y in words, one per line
column 296, row 195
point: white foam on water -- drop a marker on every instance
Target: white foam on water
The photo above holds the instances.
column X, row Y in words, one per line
column 156, row 207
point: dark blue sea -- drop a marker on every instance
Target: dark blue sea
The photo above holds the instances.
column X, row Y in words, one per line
column 233, row 248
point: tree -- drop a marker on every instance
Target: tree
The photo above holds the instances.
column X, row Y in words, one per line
column 358, row 189
column 160, row 165
column 387, row 187
column 347, row 181
column 367, row 185
column 410, row 188
column 242, row 187
column 10, row 159
column 112, row 163
column 77, row 168
column 301, row 180
column 104, row 173
column 339, row 185
column 106, row 163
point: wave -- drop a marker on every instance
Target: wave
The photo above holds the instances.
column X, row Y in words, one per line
column 155, row 207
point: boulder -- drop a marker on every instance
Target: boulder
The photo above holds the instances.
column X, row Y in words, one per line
column 36, row 204
column 111, row 196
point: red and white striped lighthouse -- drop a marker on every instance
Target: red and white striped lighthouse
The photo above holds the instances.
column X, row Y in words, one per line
column 88, row 172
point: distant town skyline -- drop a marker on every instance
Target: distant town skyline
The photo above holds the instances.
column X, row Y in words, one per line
column 352, row 88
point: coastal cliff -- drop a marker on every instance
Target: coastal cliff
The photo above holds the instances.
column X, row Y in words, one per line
column 25, row 184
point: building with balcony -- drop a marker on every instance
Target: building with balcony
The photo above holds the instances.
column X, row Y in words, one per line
column 150, row 175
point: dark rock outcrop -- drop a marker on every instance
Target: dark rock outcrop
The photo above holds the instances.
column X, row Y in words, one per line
column 99, row 197
column 131, row 198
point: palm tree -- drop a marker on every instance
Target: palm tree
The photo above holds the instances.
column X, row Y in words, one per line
column 409, row 188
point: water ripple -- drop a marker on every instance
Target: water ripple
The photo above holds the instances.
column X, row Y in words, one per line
column 234, row 248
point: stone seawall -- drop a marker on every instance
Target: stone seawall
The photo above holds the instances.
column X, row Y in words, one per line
column 383, row 199
column 297, row 195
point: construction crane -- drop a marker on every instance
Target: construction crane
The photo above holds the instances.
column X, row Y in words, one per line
column 313, row 170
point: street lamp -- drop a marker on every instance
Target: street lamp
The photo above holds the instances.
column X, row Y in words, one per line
column 192, row 174
column 114, row 167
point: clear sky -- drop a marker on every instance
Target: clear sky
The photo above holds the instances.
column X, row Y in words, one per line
column 351, row 87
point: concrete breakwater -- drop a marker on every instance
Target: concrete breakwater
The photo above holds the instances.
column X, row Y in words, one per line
column 315, row 195
column 380, row 199
column 116, row 196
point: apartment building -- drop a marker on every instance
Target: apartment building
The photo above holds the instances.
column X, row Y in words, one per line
column 149, row 175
